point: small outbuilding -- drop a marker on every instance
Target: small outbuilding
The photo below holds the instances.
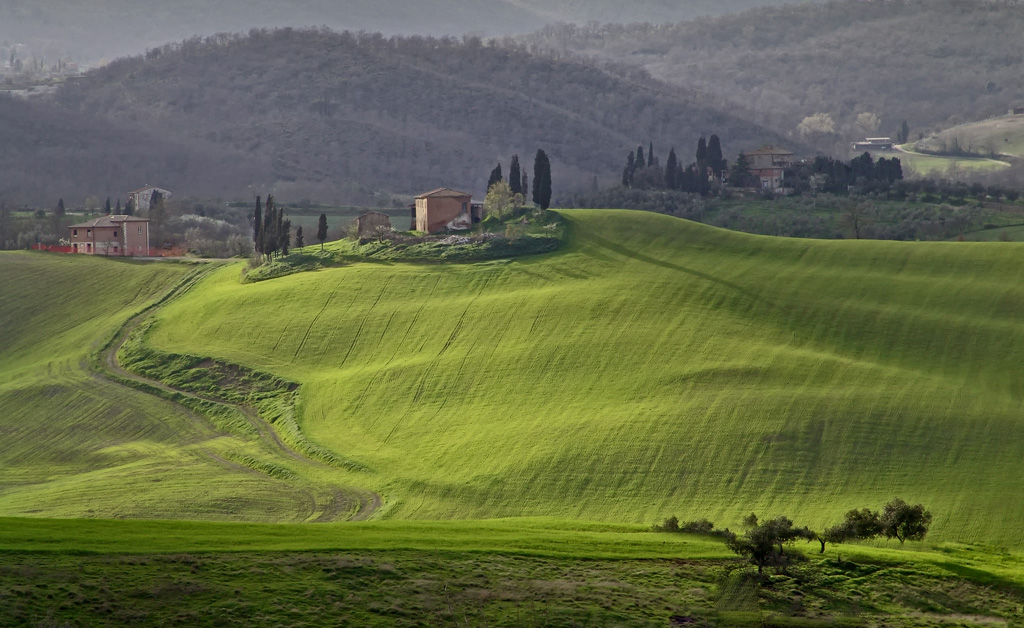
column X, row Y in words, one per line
column 369, row 222
column 443, row 209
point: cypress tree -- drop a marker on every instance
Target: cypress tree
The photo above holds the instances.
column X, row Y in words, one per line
column 542, row 180
column 515, row 181
column 285, row 236
column 269, row 227
column 257, row 227
column 298, row 237
column 524, row 189
column 129, row 207
column 650, row 155
column 495, row 177
column 671, row 166
column 739, row 173
column 118, row 205
column 321, row 230
column 715, row 161
column 702, row 153
column 640, row 161
column 279, row 231
column 106, row 206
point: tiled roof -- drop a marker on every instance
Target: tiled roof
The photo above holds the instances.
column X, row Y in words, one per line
column 768, row 150
column 115, row 220
column 444, row 193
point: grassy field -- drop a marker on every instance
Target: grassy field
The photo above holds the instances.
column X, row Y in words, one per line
column 936, row 166
column 79, row 445
column 1002, row 135
column 479, row 573
column 653, row 366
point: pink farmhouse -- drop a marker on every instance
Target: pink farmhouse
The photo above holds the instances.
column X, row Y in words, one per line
column 111, row 235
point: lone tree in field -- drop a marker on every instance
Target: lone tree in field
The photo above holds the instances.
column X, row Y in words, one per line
column 763, row 542
column 857, row 525
column 542, row 179
column 321, row 230
column 298, row 237
column 904, row 522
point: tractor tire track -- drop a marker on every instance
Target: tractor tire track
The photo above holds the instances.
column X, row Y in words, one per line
column 369, row 501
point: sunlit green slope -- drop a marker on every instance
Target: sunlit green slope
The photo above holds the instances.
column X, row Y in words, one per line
column 655, row 366
column 73, row 444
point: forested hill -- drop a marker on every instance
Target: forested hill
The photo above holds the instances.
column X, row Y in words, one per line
column 47, row 152
column 335, row 111
column 865, row 66
column 90, row 29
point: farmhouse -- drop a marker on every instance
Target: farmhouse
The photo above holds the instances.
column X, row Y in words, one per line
column 368, row 223
column 444, row 209
column 873, row 143
column 769, row 165
column 141, row 198
column 111, row 235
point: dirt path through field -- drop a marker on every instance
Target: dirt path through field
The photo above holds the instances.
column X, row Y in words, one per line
column 333, row 509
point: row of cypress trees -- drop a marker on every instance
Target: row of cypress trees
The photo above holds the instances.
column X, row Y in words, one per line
column 518, row 182
column 271, row 232
column 645, row 170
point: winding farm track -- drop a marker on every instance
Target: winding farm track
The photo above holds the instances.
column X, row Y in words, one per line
column 334, row 508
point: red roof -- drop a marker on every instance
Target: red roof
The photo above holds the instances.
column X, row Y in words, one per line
column 444, row 193
column 115, row 220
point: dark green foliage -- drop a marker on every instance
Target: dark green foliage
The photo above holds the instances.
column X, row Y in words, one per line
column 257, row 226
column 269, row 229
column 672, row 170
column 285, row 236
column 495, row 177
column 542, row 179
column 524, row 187
column 627, row 172
column 903, row 134
column 857, row 525
column 118, row 205
column 106, row 207
column 650, row 155
column 515, row 180
column 716, row 162
column 764, row 542
column 640, row 160
column 321, row 230
column 904, row 522
column 702, row 152
column 739, row 174
column 298, row 237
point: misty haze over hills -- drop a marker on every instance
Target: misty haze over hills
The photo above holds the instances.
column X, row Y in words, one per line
column 88, row 30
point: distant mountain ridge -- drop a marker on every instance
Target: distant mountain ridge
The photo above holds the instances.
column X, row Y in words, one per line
column 90, row 29
column 311, row 113
column 933, row 63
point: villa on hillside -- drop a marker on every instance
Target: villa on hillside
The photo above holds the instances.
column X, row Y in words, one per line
column 444, row 209
column 768, row 164
column 111, row 235
column 141, row 198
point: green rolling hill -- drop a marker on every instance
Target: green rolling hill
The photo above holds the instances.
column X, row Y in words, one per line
column 653, row 366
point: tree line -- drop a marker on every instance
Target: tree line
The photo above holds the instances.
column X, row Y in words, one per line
column 764, row 542
column 502, row 195
column 645, row 172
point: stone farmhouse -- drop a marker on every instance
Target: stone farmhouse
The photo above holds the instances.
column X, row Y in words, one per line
column 769, row 165
column 111, row 235
column 444, row 209
column 141, row 198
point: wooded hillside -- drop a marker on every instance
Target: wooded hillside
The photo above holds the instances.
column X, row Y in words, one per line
column 863, row 66
column 335, row 112
column 47, row 152
column 90, row 29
